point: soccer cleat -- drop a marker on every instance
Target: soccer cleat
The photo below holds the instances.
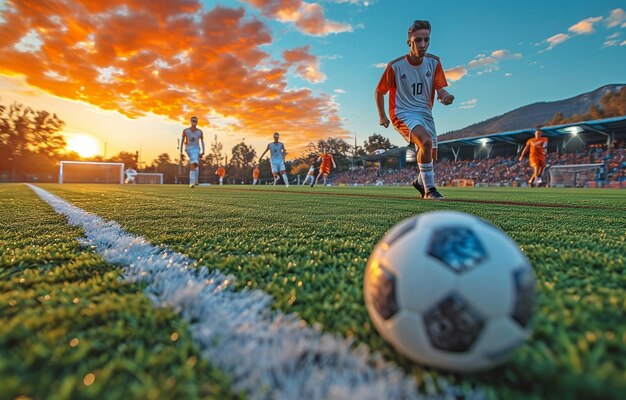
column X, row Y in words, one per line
column 191, row 185
column 418, row 186
column 433, row 194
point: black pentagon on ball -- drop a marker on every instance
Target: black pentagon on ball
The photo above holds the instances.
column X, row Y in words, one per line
column 524, row 285
column 453, row 325
column 457, row 247
column 382, row 291
column 399, row 231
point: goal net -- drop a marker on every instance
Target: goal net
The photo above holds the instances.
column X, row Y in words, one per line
column 91, row 172
column 573, row 175
column 149, row 178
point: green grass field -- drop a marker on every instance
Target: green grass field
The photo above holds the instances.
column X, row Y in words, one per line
column 308, row 249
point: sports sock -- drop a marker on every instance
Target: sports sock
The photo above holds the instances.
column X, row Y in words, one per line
column 427, row 174
column 286, row 180
column 192, row 177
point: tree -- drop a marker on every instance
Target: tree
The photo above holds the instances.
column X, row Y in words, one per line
column 215, row 157
column 23, row 132
column 129, row 159
column 377, row 142
column 335, row 146
column 162, row 159
column 243, row 156
column 45, row 138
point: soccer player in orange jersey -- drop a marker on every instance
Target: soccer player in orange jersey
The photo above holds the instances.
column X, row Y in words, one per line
column 255, row 175
column 326, row 160
column 411, row 82
column 221, row 172
column 538, row 147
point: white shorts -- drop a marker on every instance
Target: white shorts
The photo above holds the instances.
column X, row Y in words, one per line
column 193, row 155
column 278, row 166
column 413, row 119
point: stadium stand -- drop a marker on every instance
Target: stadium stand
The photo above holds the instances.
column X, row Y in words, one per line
column 492, row 160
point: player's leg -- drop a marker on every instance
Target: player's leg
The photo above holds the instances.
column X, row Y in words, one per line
column 192, row 174
column 424, row 140
column 283, row 173
column 193, row 155
column 417, row 183
column 317, row 178
column 413, row 152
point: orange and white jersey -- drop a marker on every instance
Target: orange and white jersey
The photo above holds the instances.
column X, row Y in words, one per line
column 192, row 138
column 220, row 172
column 412, row 87
column 538, row 147
column 256, row 173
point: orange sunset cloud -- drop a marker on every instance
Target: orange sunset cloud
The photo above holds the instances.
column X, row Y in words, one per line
column 169, row 58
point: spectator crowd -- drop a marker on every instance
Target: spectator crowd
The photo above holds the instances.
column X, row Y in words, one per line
column 506, row 171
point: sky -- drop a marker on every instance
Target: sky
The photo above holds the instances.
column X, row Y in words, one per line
column 129, row 74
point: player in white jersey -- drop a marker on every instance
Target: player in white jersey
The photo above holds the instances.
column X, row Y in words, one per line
column 277, row 159
column 193, row 140
column 411, row 82
column 310, row 176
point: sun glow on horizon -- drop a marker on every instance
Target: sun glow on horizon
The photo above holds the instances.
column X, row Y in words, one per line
column 85, row 146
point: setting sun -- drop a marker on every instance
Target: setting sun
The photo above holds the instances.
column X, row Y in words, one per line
column 85, row 146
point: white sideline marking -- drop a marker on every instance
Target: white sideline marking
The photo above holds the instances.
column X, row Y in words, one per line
column 267, row 354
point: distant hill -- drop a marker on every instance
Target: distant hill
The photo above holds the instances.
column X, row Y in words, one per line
column 537, row 114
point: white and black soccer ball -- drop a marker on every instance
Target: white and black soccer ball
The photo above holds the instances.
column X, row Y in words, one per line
column 449, row 290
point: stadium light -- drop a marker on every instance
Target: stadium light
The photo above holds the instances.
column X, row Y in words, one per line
column 574, row 130
column 484, row 141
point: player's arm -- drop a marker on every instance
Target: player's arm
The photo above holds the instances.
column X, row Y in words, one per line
column 380, row 105
column 284, row 151
column 266, row 150
column 182, row 144
column 445, row 98
column 333, row 160
column 440, row 82
column 201, row 144
column 524, row 152
column 387, row 81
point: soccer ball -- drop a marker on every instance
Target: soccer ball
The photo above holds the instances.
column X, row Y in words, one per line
column 449, row 290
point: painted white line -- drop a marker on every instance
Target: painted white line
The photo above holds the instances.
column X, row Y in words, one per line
column 267, row 354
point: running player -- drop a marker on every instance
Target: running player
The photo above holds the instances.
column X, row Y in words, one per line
column 310, row 176
column 255, row 174
column 277, row 159
column 221, row 172
column 412, row 81
column 326, row 160
column 194, row 147
column 538, row 146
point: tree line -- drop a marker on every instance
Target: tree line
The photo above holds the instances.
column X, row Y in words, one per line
column 32, row 146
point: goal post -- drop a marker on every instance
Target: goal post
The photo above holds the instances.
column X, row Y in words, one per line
column 573, row 175
column 149, row 178
column 91, row 172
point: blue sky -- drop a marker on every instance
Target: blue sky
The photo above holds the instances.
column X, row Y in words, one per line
column 497, row 57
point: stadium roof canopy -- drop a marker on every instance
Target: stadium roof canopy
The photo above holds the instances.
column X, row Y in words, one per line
column 561, row 137
column 593, row 130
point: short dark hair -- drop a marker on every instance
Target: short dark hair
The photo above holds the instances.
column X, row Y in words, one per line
column 194, row 117
column 417, row 25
